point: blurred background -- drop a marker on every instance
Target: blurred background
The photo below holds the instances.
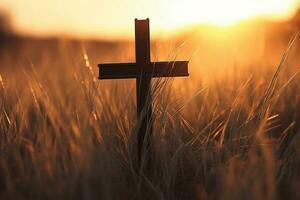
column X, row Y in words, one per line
column 113, row 19
column 213, row 34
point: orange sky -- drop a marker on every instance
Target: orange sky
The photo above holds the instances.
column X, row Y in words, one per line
column 114, row 18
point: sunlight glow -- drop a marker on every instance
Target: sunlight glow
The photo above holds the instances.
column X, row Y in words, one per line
column 114, row 18
column 223, row 13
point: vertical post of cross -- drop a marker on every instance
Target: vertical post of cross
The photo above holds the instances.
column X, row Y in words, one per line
column 143, row 87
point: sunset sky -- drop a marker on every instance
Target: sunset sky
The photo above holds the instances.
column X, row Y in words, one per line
column 114, row 18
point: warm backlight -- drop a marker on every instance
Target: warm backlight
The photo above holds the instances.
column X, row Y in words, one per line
column 114, row 18
column 226, row 12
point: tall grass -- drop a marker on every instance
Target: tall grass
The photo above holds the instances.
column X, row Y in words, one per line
column 66, row 135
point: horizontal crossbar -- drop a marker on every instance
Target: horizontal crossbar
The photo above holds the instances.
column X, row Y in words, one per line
column 133, row 70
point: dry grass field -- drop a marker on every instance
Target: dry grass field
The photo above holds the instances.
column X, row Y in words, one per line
column 222, row 133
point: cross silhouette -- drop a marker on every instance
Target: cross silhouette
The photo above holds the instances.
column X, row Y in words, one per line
column 143, row 70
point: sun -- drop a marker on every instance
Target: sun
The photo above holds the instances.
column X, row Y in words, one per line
column 224, row 13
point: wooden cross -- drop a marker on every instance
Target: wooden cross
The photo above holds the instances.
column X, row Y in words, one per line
column 143, row 70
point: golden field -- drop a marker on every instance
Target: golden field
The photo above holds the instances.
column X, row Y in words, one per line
column 229, row 131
